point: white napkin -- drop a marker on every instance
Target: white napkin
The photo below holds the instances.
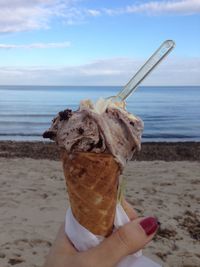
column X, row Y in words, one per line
column 84, row 239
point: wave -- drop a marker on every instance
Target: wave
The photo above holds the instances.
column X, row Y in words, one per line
column 14, row 115
column 21, row 134
column 23, row 123
column 169, row 136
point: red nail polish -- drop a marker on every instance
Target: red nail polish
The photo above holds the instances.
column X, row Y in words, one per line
column 150, row 225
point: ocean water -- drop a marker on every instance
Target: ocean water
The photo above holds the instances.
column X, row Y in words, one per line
column 169, row 113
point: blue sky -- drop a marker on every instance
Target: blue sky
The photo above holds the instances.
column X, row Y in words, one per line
column 90, row 42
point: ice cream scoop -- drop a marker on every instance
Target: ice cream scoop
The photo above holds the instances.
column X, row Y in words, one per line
column 103, row 127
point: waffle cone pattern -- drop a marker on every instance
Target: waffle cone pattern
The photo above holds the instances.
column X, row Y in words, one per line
column 92, row 182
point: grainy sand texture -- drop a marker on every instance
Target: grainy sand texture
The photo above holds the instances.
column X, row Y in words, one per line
column 33, row 203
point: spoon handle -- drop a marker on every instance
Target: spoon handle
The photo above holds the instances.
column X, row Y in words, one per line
column 150, row 64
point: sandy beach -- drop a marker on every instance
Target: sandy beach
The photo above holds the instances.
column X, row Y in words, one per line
column 33, row 203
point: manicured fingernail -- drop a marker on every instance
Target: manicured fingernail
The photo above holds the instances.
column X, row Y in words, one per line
column 150, row 225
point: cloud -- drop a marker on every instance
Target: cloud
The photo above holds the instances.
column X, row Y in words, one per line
column 19, row 16
column 180, row 7
column 94, row 12
column 24, row 15
column 35, row 45
column 115, row 71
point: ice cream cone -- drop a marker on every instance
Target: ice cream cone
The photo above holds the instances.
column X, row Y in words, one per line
column 92, row 181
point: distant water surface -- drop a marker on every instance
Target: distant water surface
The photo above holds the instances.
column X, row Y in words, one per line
column 169, row 113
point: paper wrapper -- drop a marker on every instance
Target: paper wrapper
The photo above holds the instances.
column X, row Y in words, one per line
column 84, row 239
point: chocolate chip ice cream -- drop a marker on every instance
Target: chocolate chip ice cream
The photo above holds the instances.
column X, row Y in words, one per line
column 103, row 127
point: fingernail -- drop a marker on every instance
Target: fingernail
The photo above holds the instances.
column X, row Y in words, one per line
column 150, row 225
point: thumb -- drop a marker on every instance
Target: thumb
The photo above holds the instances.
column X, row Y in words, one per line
column 128, row 239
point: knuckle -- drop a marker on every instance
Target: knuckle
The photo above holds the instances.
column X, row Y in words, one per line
column 124, row 238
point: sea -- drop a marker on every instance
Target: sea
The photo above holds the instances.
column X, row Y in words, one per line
column 170, row 114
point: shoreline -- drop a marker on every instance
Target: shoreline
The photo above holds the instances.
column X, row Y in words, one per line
column 150, row 151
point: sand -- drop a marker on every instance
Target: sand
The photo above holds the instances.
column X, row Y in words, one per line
column 33, row 203
column 168, row 151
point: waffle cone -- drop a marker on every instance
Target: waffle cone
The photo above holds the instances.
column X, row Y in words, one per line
column 92, row 182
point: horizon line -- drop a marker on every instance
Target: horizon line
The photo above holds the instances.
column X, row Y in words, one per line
column 46, row 85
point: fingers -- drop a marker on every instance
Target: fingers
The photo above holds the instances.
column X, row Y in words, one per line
column 126, row 240
column 62, row 242
column 138, row 233
column 132, row 214
column 61, row 251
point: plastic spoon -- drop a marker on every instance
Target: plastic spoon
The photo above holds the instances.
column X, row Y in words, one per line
column 143, row 72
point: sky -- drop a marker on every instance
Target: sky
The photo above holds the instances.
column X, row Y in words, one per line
column 90, row 42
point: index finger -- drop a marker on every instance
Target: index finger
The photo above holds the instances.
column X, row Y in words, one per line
column 132, row 214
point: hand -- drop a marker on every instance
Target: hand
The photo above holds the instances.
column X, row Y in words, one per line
column 126, row 240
